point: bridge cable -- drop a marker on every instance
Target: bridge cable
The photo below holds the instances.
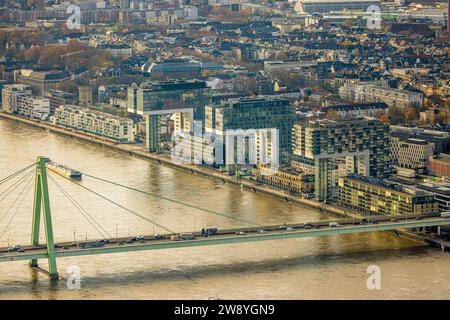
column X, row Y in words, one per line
column 120, row 206
column 175, row 201
column 85, row 214
column 15, row 185
column 16, row 173
column 27, row 188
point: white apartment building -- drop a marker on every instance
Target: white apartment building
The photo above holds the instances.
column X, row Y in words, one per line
column 370, row 109
column 411, row 153
column 11, row 94
column 99, row 123
column 370, row 92
column 33, row 107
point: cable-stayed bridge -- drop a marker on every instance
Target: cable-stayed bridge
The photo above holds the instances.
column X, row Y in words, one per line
column 19, row 184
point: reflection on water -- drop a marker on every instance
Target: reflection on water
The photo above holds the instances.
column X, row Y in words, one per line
column 325, row 267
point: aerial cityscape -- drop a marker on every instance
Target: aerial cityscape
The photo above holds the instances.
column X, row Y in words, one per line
column 224, row 149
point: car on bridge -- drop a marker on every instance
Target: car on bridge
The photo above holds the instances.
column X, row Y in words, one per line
column 209, row 232
column 15, row 248
column 94, row 244
column 334, row 225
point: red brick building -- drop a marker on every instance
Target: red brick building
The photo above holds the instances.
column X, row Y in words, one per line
column 440, row 165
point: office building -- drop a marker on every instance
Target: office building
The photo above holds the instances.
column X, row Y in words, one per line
column 182, row 68
column 153, row 99
column 363, row 142
column 441, row 139
column 94, row 122
column 59, row 98
column 377, row 196
column 42, row 81
column 411, row 153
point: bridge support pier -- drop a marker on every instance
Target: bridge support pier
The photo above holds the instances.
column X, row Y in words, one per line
column 42, row 203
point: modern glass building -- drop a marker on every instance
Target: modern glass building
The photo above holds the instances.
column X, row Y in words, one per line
column 153, row 99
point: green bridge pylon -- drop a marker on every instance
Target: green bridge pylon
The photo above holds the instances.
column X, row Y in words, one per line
column 42, row 203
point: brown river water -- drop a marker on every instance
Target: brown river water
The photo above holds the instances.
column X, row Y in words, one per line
column 333, row 267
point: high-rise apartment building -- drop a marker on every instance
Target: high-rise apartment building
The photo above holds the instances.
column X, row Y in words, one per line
column 264, row 116
column 363, row 142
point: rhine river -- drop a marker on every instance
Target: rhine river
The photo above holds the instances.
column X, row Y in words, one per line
column 310, row 268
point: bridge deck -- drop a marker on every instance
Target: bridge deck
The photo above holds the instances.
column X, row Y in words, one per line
column 272, row 233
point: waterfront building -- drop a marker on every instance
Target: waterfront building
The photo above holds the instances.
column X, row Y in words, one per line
column 263, row 115
column 99, row 123
column 439, row 165
column 441, row 193
column 11, row 94
column 153, row 99
column 289, row 179
column 363, row 142
column 33, row 107
column 371, row 92
column 411, row 153
column 377, row 196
